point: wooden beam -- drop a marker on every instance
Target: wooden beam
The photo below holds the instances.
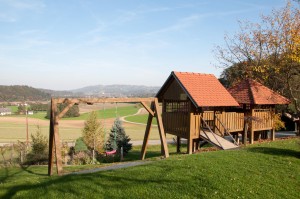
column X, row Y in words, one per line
column 161, row 128
column 148, row 108
column 61, row 114
column 102, row 100
column 147, row 132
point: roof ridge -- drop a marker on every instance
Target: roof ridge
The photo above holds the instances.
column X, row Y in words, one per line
column 193, row 73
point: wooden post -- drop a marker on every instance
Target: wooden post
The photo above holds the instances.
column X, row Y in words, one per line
column 214, row 125
column 273, row 124
column 251, row 127
column 147, row 132
column 244, row 137
column 51, row 138
column 161, row 128
column 190, row 140
column 178, row 144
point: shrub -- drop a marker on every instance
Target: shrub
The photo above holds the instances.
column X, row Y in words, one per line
column 39, row 149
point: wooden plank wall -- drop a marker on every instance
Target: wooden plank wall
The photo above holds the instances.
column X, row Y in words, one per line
column 263, row 119
column 176, row 123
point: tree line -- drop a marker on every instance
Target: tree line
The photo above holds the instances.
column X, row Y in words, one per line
column 268, row 51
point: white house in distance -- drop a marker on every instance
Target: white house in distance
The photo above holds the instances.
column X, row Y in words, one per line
column 5, row 111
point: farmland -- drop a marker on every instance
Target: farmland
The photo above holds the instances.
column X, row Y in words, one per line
column 13, row 128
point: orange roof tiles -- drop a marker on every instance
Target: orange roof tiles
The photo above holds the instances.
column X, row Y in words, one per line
column 204, row 90
column 251, row 92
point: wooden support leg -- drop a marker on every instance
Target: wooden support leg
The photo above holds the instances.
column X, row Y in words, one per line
column 190, row 146
column 57, row 149
column 197, row 144
column 147, row 133
column 251, row 136
column 178, row 144
column 244, row 136
column 273, row 134
column 161, row 128
column 51, row 143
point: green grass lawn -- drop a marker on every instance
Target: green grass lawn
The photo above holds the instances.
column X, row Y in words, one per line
column 140, row 119
column 109, row 113
column 268, row 170
column 13, row 109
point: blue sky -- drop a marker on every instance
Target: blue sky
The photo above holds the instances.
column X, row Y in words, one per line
column 68, row 44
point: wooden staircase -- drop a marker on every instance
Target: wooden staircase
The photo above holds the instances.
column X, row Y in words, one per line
column 208, row 135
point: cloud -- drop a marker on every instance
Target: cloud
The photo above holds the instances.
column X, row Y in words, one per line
column 13, row 10
column 24, row 5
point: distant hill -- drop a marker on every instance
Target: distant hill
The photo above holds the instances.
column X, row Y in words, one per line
column 117, row 91
column 26, row 93
column 22, row 93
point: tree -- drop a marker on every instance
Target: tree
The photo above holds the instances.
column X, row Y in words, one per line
column 268, row 51
column 118, row 138
column 72, row 112
column 93, row 134
column 39, row 148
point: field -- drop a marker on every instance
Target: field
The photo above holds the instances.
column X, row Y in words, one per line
column 267, row 170
column 13, row 128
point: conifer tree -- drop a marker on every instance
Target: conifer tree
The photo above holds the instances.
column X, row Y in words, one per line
column 118, row 138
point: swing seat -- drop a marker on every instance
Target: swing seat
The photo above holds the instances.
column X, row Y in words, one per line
column 111, row 152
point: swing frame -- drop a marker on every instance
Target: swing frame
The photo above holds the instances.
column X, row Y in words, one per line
column 54, row 138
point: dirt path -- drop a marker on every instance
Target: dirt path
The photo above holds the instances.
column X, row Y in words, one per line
column 112, row 167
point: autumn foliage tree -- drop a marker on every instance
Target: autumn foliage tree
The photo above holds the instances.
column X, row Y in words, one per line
column 268, row 51
column 93, row 134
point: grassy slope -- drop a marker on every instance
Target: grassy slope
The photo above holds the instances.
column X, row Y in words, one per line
column 269, row 170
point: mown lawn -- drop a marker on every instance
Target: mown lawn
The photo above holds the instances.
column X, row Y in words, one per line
column 140, row 119
column 268, row 170
column 108, row 113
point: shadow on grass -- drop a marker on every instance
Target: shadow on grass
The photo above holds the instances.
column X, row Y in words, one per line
column 28, row 170
column 104, row 185
column 275, row 151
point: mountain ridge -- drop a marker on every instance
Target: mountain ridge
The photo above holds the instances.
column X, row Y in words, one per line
column 28, row 93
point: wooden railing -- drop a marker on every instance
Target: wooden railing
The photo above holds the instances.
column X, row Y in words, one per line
column 184, row 123
column 262, row 119
column 233, row 121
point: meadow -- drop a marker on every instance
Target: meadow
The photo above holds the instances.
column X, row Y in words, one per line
column 263, row 170
column 13, row 128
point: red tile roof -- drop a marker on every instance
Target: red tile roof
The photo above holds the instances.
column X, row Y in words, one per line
column 252, row 92
column 204, row 90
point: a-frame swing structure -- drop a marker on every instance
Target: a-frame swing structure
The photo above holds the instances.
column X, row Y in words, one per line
column 54, row 138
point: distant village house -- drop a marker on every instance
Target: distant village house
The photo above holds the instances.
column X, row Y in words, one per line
column 5, row 111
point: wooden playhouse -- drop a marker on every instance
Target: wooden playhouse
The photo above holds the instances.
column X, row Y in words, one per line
column 188, row 99
column 257, row 102
column 197, row 107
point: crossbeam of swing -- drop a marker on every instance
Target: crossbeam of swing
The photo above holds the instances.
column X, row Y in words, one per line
column 54, row 140
column 101, row 100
